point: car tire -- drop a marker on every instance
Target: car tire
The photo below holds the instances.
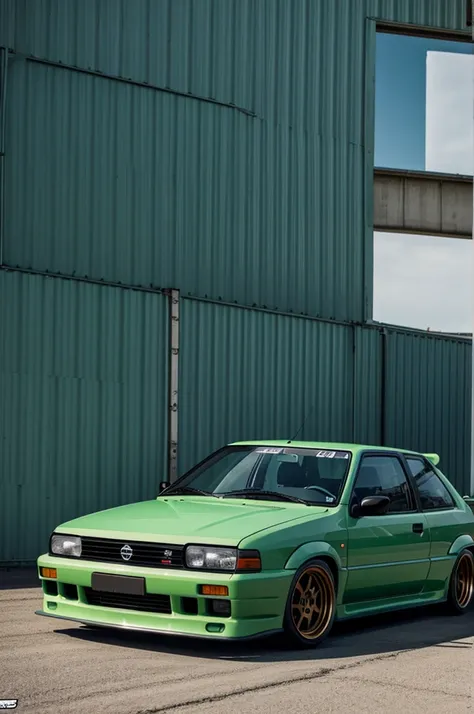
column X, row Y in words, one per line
column 311, row 605
column 461, row 585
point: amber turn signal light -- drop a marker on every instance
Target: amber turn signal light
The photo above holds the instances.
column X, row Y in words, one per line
column 248, row 560
column 49, row 572
column 221, row 590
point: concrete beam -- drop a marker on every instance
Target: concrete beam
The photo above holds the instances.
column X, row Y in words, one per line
column 422, row 202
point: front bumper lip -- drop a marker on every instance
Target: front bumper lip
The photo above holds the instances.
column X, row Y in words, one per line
column 156, row 631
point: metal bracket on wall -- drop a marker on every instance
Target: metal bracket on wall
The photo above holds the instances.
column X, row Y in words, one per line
column 173, row 297
column 133, row 82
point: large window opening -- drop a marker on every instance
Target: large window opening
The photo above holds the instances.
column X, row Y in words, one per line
column 424, row 122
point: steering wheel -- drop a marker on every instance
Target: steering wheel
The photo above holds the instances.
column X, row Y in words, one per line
column 320, row 488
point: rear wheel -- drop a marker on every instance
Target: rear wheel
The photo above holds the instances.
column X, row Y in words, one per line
column 311, row 605
column 461, row 587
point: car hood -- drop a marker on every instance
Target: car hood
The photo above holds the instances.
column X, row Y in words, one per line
column 189, row 519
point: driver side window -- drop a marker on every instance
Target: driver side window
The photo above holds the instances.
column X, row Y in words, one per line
column 383, row 476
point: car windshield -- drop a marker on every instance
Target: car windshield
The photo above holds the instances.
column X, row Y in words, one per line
column 301, row 475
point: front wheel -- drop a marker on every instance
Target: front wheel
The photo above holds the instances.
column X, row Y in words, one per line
column 311, row 605
column 461, row 586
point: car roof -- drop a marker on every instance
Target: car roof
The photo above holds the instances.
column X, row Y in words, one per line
column 353, row 448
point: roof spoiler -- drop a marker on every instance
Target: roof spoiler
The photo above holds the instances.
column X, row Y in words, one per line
column 434, row 458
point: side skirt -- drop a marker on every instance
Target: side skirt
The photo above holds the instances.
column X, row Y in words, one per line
column 379, row 607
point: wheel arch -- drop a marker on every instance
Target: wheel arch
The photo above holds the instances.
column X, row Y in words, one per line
column 316, row 550
column 462, row 542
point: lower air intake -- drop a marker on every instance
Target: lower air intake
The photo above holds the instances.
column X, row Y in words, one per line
column 141, row 603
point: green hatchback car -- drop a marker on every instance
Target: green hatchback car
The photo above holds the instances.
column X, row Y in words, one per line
column 264, row 537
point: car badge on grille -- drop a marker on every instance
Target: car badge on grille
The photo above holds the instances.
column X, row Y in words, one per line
column 126, row 552
column 168, row 553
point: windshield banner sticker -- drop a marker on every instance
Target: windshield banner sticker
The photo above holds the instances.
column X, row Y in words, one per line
column 268, row 450
column 332, row 455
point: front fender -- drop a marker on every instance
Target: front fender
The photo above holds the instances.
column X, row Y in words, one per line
column 308, row 551
column 461, row 542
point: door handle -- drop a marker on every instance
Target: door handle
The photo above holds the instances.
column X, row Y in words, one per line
column 418, row 528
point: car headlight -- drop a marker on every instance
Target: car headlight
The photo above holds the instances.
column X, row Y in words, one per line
column 227, row 559
column 66, row 545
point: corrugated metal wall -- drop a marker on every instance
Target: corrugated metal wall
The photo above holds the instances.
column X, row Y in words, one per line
column 180, row 190
column 248, row 374
column 223, row 148
column 83, row 400
column 233, row 50
column 428, row 399
column 83, row 417
column 145, row 188
column 368, row 399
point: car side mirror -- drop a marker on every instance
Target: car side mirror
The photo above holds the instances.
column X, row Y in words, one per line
column 370, row 506
column 162, row 486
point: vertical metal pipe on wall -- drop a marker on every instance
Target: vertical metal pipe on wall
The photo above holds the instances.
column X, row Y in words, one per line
column 383, row 389
column 470, row 13
column 173, row 296
column 472, row 408
column 3, row 118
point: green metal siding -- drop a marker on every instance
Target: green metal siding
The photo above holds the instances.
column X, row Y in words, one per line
column 368, row 372
column 83, row 415
column 133, row 184
column 83, row 394
column 269, row 55
column 145, row 188
column 222, row 147
column 246, row 374
column 428, row 399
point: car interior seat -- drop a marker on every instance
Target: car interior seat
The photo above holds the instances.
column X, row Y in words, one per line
column 291, row 475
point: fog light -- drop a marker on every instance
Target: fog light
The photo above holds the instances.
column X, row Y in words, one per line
column 220, row 607
column 214, row 627
column 222, row 590
column 49, row 572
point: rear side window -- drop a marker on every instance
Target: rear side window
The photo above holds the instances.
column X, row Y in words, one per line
column 384, row 476
column 433, row 493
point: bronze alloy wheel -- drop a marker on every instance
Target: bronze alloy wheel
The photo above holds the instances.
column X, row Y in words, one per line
column 464, row 580
column 311, row 604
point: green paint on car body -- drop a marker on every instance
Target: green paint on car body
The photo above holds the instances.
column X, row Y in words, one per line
column 287, row 503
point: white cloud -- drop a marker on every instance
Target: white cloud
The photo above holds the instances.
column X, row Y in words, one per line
column 449, row 141
column 421, row 281
column 424, row 282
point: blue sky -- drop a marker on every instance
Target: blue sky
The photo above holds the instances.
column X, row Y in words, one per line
column 400, row 96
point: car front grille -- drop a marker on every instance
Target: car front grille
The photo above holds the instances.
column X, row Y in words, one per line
column 143, row 603
column 147, row 555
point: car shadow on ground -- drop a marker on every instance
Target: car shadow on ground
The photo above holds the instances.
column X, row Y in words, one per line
column 384, row 634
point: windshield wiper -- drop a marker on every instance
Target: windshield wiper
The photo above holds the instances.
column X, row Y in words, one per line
column 186, row 489
column 255, row 493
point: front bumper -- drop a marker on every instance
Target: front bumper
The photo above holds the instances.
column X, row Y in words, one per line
column 257, row 600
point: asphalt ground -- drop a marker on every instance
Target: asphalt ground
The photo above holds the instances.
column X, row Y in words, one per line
column 418, row 661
